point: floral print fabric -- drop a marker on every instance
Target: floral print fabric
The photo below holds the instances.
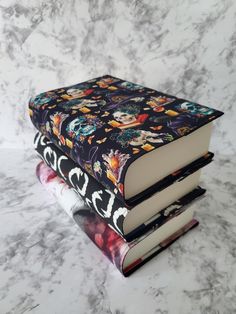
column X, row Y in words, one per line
column 109, row 242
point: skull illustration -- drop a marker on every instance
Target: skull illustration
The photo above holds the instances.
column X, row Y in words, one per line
column 195, row 108
column 124, row 117
column 75, row 92
column 145, row 136
column 79, row 126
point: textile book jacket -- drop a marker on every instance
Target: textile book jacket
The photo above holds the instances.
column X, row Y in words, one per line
column 112, row 210
column 124, row 161
column 109, row 242
column 106, row 124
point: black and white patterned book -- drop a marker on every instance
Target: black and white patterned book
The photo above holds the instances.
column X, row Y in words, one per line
column 174, row 221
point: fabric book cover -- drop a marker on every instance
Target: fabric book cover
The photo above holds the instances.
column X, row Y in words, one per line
column 109, row 242
column 117, row 130
column 102, row 201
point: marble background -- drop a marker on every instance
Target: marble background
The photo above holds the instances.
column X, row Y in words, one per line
column 184, row 47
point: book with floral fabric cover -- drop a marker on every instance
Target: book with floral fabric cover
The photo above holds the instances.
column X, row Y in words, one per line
column 112, row 210
column 113, row 246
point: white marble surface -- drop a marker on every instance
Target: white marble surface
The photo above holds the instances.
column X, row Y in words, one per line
column 183, row 47
column 47, row 265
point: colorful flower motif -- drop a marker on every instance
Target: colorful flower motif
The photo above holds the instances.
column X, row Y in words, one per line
column 105, row 82
column 104, row 237
column 114, row 162
column 57, row 119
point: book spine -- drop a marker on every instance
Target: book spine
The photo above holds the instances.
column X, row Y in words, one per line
column 101, row 200
column 106, row 239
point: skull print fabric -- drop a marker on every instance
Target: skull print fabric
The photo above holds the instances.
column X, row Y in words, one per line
column 106, row 123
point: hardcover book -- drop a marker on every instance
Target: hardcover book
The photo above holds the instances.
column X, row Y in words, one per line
column 128, row 137
column 173, row 222
column 128, row 221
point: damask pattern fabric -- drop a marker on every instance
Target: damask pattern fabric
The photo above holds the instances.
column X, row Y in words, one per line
column 106, row 123
column 105, row 238
column 101, row 200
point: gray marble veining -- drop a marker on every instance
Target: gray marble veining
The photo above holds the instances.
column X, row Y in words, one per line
column 183, row 47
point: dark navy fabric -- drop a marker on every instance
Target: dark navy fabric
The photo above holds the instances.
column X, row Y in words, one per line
column 104, row 124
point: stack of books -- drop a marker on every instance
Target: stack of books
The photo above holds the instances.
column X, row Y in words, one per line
column 124, row 161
